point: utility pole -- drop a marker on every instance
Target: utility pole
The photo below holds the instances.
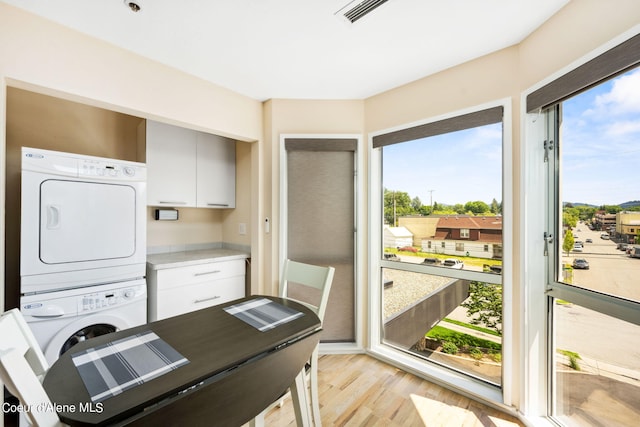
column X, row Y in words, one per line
column 431, row 197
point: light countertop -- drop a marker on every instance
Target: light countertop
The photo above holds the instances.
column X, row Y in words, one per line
column 185, row 258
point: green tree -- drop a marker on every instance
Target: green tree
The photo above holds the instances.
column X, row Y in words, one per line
column 477, row 207
column 484, row 305
column 459, row 208
column 568, row 242
column 495, row 207
column 416, row 204
column 396, row 204
column 569, row 218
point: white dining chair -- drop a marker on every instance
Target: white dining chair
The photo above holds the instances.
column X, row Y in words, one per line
column 22, row 369
column 320, row 278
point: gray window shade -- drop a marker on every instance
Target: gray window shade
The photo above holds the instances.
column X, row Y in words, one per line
column 321, row 223
column 319, row 144
column 453, row 124
column 614, row 61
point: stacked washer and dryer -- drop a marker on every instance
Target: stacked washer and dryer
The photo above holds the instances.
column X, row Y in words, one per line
column 83, row 247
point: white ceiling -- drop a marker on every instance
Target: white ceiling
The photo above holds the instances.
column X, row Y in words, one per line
column 300, row 48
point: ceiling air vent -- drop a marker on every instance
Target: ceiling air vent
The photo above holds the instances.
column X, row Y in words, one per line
column 357, row 9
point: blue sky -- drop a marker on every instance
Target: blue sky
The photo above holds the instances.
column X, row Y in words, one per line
column 459, row 167
column 601, row 143
column 600, row 147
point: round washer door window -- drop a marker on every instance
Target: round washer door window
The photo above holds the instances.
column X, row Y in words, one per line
column 86, row 333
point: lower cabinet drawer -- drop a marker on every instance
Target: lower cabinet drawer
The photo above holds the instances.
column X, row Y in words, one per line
column 183, row 299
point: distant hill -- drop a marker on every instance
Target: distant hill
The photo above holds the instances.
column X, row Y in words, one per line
column 625, row 205
column 628, row 205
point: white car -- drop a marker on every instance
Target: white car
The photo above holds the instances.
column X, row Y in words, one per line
column 453, row 263
column 577, row 248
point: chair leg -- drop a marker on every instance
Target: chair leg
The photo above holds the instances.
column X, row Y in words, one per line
column 300, row 403
column 313, row 389
column 258, row 421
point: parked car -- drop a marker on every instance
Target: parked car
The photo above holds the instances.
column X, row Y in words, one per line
column 390, row 257
column 496, row 269
column 453, row 263
column 604, row 236
column 589, row 241
column 577, row 248
column 431, row 261
column 581, row 263
column 408, row 249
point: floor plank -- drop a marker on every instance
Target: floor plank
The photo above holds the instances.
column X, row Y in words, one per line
column 358, row 390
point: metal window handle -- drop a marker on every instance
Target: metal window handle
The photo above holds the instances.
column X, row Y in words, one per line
column 198, row 301
column 204, row 273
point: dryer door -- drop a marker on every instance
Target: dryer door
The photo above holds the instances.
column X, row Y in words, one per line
column 86, row 221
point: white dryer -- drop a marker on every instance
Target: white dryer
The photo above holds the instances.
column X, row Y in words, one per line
column 83, row 221
column 61, row 319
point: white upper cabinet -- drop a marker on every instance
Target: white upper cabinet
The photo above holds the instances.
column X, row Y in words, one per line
column 187, row 168
column 171, row 165
column 216, row 170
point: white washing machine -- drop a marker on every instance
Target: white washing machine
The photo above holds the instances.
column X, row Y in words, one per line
column 61, row 319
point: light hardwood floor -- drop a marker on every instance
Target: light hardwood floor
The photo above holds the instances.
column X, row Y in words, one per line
column 358, row 390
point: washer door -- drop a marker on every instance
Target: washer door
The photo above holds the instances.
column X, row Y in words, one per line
column 82, row 329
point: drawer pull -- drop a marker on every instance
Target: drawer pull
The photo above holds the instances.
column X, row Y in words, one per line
column 204, row 273
column 198, row 301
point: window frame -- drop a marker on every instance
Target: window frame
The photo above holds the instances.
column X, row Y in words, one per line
column 535, row 389
column 501, row 397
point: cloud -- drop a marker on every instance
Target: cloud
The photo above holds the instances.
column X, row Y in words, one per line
column 622, row 128
column 623, row 97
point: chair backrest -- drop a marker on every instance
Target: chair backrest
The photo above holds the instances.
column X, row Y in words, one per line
column 308, row 275
column 22, row 368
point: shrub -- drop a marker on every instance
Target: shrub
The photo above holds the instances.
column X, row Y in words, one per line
column 449, row 347
column 573, row 363
column 476, row 353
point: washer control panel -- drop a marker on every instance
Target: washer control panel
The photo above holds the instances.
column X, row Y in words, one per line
column 74, row 302
column 99, row 300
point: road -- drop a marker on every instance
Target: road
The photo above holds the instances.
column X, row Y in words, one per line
column 610, row 270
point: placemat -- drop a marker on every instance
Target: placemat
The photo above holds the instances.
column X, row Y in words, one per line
column 262, row 313
column 109, row 369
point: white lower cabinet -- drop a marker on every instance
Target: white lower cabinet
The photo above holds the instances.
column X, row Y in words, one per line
column 174, row 291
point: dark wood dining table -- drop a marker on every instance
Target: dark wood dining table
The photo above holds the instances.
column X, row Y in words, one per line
column 234, row 372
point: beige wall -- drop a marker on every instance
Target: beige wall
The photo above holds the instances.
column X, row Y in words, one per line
column 297, row 117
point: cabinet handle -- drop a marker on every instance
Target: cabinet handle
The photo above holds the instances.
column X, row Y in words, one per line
column 198, row 301
column 168, row 202
column 204, row 273
column 218, row 204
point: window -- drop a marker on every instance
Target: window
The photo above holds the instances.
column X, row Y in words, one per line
column 593, row 286
column 486, row 248
column 591, row 133
column 444, row 308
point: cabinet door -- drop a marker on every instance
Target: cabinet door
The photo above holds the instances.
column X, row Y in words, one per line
column 171, row 165
column 216, row 182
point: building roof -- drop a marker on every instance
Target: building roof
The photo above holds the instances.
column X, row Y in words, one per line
column 399, row 231
column 471, row 222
